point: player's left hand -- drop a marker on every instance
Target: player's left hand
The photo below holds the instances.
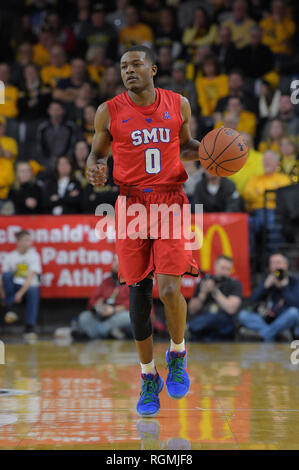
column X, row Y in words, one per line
column 96, row 174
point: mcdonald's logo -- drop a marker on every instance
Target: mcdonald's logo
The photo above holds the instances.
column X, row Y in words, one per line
column 206, row 249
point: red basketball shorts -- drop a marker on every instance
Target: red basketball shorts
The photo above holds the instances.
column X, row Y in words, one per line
column 149, row 251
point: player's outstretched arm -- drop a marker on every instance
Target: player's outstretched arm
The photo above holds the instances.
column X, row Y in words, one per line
column 97, row 159
column 188, row 145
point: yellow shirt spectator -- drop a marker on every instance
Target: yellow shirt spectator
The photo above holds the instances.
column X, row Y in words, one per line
column 254, row 191
column 209, row 90
column 195, row 38
column 240, row 31
column 130, row 36
column 96, row 73
column 6, row 176
column 253, row 167
column 10, row 107
column 277, row 35
column 41, row 55
column 8, row 144
column 51, row 74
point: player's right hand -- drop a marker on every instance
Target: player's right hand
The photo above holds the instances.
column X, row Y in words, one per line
column 96, row 174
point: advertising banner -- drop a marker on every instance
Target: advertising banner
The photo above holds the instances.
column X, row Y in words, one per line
column 75, row 261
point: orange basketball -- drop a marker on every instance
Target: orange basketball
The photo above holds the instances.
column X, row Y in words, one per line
column 223, row 152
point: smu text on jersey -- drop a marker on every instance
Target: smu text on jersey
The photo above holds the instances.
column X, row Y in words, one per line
column 155, row 135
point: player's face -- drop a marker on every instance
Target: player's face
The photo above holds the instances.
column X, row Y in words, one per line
column 137, row 72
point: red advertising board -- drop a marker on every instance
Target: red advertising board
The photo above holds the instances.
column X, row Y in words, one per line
column 74, row 260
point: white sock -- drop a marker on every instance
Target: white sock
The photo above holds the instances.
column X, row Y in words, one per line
column 148, row 368
column 177, row 347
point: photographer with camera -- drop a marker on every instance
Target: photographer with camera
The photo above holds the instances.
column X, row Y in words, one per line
column 214, row 304
column 275, row 304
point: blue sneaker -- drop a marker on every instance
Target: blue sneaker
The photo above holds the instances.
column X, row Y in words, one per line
column 149, row 403
column 177, row 382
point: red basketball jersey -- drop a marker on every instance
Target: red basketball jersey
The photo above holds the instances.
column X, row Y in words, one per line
column 145, row 145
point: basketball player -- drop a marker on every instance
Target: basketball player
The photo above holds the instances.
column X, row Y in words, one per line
column 149, row 131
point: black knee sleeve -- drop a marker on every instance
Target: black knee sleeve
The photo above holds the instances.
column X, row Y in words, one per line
column 141, row 299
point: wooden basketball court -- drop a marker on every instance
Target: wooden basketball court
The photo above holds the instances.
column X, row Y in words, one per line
column 84, row 395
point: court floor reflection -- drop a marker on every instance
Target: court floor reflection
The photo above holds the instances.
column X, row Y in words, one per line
column 83, row 396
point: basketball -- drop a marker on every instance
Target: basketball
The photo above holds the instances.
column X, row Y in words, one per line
column 223, row 152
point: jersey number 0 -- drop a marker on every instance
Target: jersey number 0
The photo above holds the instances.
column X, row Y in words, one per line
column 152, row 161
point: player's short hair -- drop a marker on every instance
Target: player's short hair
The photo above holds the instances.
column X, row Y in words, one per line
column 149, row 53
column 226, row 258
column 22, row 234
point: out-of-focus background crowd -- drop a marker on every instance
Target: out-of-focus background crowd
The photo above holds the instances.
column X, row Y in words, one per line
column 236, row 61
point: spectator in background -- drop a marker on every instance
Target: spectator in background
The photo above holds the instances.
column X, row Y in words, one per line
column 25, row 194
column 274, row 305
column 55, row 137
column 62, row 33
column 216, row 194
column 67, row 89
column 278, row 31
column 214, row 304
column 88, row 123
column 96, row 67
column 118, row 17
column 163, row 78
column 150, row 11
column 255, row 59
column 101, row 33
column 237, row 88
column 167, row 34
column 287, row 115
column 81, row 24
column 9, row 108
column 81, row 153
column 269, row 99
column 194, row 173
column 253, row 166
column 272, row 142
column 240, row 23
column 225, row 50
column 186, row 11
column 34, row 97
column 9, row 146
column 211, row 86
column 21, row 270
column 201, row 33
column 180, row 84
column 41, row 50
column 254, row 197
column 86, row 96
column 58, row 67
column 24, row 57
column 108, row 310
column 62, row 193
column 111, row 80
column 194, row 68
column 135, row 33
column 245, row 120
column 21, row 31
column 289, row 163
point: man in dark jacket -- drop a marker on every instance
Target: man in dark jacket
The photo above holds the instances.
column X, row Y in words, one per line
column 277, row 300
column 217, row 194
